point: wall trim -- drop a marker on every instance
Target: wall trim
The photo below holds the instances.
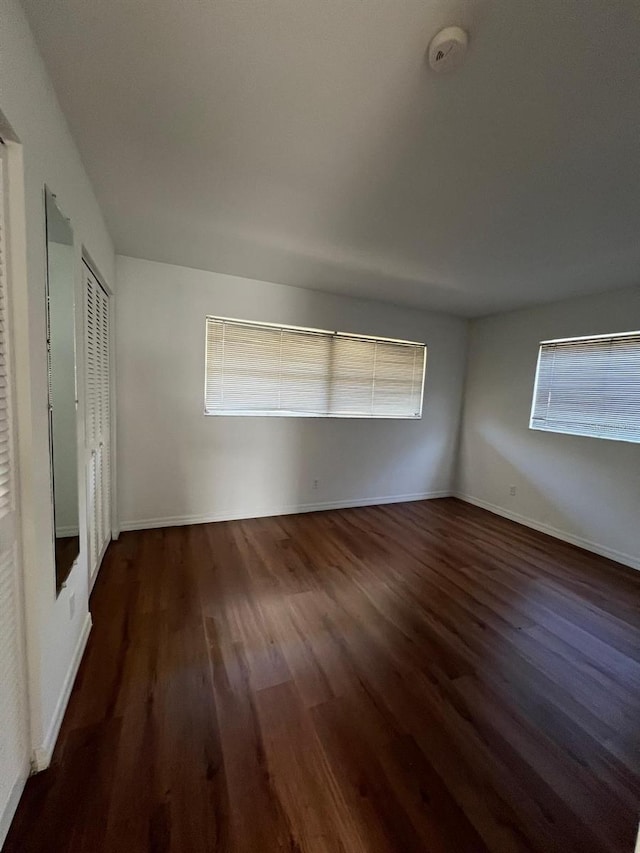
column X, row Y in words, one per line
column 229, row 515
column 42, row 754
column 94, row 577
column 67, row 531
column 12, row 804
column 586, row 544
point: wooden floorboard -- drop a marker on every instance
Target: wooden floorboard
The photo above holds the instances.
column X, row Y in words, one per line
column 416, row 677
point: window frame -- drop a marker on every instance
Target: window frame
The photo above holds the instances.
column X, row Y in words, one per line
column 577, row 432
column 323, row 332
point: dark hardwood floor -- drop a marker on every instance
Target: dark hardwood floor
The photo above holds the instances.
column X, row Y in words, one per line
column 417, row 677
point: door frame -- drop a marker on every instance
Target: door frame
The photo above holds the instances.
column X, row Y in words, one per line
column 17, row 343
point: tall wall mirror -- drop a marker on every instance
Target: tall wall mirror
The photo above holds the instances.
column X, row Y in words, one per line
column 63, row 435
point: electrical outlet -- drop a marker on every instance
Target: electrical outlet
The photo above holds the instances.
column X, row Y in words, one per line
column 512, row 491
column 315, row 484
column 72, row 604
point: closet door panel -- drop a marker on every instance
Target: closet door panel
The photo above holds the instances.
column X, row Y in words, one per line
column 98, row 416
column 91, row 514
column 104, row 442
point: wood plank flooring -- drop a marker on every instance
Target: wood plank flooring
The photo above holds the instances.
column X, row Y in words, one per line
column 416, row 677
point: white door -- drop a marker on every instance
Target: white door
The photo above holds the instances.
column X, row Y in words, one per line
column 14, row 744
column 98, row 419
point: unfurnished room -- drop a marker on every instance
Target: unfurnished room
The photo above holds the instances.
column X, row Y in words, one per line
column 319, row 426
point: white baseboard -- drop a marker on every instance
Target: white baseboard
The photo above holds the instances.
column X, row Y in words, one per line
column 603, row 550
column 175, row 521
column 42, row 754
column 66, row 531
column 12, row 804
column 179, row 520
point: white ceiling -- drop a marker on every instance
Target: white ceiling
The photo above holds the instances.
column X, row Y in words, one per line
column 306, row 142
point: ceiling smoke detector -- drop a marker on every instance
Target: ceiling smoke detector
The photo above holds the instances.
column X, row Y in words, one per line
column 448, row 49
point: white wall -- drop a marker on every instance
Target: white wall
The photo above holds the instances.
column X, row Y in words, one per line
column 176, row 465
column 31, row 112
column 586, row 490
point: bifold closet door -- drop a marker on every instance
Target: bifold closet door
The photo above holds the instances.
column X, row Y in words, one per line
column 14, row 743
column 98, row 419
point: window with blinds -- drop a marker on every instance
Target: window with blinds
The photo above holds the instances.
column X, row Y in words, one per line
column 589, row 386
column 262, row 369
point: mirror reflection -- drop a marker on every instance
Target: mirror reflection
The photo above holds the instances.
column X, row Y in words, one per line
column 62, row 388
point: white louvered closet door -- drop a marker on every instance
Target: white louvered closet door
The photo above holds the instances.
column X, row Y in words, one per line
column 14, row 746
column 98, row 420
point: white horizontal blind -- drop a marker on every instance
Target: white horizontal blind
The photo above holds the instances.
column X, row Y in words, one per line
column 261, row 369
column 589, row 386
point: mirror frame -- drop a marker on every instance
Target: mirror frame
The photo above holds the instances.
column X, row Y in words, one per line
column 50, row 198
